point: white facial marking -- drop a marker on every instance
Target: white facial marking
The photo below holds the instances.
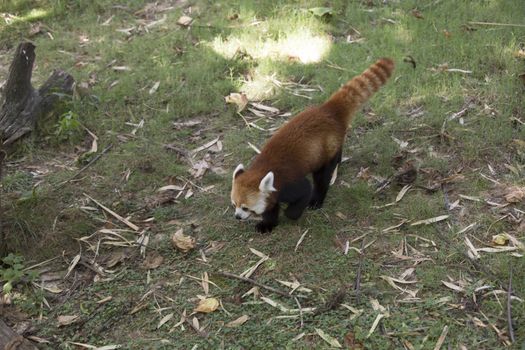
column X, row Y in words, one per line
column 260, row 205
column 242, row 214
column 266, row 184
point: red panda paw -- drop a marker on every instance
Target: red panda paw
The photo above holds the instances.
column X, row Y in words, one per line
column 264, row 227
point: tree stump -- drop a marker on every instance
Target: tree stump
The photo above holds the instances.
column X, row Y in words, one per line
column 9, row 340
column 21, row 104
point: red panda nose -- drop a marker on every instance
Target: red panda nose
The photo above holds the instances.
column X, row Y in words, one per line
column 238, row 216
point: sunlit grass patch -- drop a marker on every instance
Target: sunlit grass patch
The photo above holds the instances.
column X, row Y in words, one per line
column 299, row 45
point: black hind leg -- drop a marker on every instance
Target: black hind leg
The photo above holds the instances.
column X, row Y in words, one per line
column 297, row 195
column 322, row 179
column 296, row 208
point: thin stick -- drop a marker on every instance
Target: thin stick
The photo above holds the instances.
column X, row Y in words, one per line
column 357, row 284
column 115, row 215
column 498, row 24
column 91, row 162
column 509, row 307
column 254, row 282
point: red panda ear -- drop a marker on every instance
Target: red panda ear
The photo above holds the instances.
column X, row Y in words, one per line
column 239, row 170
column 266, row 184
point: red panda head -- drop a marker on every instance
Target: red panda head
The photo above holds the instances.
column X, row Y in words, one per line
column 250, row 193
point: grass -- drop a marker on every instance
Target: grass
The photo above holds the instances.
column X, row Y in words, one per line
column 267, row 49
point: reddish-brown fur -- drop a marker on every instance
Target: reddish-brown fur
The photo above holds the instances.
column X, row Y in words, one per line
column 313, row 137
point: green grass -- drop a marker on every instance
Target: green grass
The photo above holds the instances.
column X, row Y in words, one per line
column 237, row 46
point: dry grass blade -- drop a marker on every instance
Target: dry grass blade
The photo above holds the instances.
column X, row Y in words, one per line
column 402, row 193
column 430, row 221
column 300, row 240
column 165, row 319
column 115, row 215
column 246, row 279
column 509, row 307
column 328, row 338
column 374, row 325
column 72, row 265
column 252, row 269
column 453, row 286
column 441, row 339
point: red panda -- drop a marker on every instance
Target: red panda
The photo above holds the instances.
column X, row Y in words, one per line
column 311, row 142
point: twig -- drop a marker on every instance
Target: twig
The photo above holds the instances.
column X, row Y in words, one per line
column 509, row 307
column 115, row 215
column 357, row 284
column 91, row 162
column 254, row 282
column 497, row 24
column 333, row 301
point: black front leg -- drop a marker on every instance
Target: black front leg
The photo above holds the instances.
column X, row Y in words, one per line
column 270, row 218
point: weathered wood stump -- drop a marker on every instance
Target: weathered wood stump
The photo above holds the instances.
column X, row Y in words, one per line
column 9, row 340
column 21, row 104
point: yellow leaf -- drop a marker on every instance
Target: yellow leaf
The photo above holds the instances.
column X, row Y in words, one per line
column 182, row 242
column 207, row 305
column 238, row 99
column 500, row 239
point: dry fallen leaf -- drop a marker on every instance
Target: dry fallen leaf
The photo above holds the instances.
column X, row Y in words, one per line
column 182, row 242
column 500, row 239
column 67, row 320
column 207, row 305
column 453, row 286
column 238, row 99
column 238, row 322
column 153, row 261
column 154, row 88
column 514, row 194
column 184, row 21
column 416, row 13
column 165, row 319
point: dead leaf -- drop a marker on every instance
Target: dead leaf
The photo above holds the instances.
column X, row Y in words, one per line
column 416, row 13
column 171, row 188
column 165, row 319
column 182, row 242
column 514, row 194
column 152, row 261
column 519, row 54
column 238, row 322
column 351, row 343
column 207, row 305
column 453, row 286
column 364, row 173
column 154, row 88
column 500, row 239
column 328, row 338
column 402, row 193
column 238, row 99
column 184, row 21
column 72, row 265
column 67, row 320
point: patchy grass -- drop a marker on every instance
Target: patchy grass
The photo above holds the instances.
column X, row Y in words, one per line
column 462, row 130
